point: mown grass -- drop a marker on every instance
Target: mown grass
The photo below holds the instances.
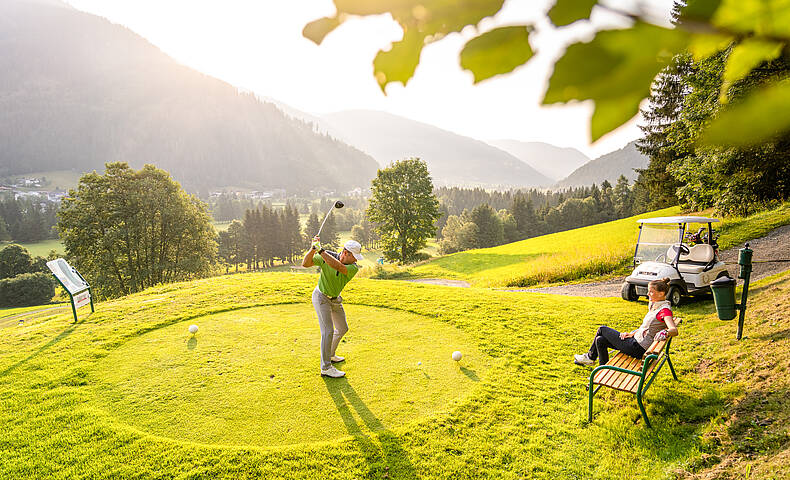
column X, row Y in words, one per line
column 42, row 248
column 524, row 418
column 594, row 252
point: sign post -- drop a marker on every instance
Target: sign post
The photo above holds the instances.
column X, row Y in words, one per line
column 75, row 285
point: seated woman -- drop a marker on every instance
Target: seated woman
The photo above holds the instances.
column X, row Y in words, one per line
column 658, row 323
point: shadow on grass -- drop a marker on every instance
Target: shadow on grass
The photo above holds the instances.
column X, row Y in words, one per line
column 678, row 419
column 383, row 453
column 192, row 343
column 61, row 336
column 470, row 373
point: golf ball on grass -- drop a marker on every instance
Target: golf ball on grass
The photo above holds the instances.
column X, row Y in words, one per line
column 193, row 329
column 457, row 356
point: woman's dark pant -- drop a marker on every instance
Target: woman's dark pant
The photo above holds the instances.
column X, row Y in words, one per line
column 606, row 338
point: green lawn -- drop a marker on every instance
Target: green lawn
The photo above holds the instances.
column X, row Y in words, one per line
column 41, row 249
column 127, row 392
column 587, row 253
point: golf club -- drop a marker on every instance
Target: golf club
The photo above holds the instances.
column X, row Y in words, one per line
column 338, row 204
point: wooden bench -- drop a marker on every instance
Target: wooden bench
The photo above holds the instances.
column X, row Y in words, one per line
column 632, row 375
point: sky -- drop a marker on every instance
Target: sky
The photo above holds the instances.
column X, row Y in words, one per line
column 257, row 45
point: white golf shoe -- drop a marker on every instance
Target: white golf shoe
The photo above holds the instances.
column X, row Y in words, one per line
column 336, row 359
column 583, row 359
column 332, row 372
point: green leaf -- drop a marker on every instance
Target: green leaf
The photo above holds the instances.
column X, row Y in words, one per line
column 699, row 10
column 743, row 58
column 398, row 63
column 758, row 118
column 759, row 17
column 615, row 70
column 565, row 12
column 703, row 46
column 610, row 114
column 496, row 52
column 318, row 29
column 423, row 21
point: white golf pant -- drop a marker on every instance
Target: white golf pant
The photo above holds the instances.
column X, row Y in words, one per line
column 332, row 320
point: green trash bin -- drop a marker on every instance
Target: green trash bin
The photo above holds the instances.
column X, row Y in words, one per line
column 724, row 296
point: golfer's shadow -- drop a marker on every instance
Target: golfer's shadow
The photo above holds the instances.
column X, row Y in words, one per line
column 387, row 450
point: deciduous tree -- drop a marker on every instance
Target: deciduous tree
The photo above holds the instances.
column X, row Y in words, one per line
column 404, row 208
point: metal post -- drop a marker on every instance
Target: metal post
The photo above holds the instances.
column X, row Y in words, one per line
column 745, row 263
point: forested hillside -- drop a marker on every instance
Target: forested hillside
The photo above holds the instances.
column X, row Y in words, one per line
column 77, row 91
column 608, row 167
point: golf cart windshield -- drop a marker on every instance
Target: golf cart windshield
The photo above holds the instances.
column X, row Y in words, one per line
column 655, row 241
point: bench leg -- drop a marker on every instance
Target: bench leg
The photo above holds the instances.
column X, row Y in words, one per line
column 671, row 368
column 642, row 409
column 591, row 391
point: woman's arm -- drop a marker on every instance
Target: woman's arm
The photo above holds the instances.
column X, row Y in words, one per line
column 672, row 329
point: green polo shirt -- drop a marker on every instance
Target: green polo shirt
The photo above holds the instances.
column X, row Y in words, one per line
column 331, row 282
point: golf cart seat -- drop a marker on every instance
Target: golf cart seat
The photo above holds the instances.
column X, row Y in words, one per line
column 699, row 259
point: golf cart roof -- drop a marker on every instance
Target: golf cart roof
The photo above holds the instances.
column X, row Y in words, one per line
column 672, row 220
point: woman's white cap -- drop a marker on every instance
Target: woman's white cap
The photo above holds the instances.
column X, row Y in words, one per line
column 355, row 248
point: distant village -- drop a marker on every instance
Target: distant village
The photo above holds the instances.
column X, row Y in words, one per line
column 31, row 188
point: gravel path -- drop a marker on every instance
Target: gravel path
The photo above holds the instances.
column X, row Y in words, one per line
column 774, row 246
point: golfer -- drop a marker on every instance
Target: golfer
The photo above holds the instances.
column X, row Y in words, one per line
column 658, row 323
column 336, row 272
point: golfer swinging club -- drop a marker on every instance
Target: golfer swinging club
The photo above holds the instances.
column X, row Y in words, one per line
column 336, row 272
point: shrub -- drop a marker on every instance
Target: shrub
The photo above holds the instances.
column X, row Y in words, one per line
column 26, row 289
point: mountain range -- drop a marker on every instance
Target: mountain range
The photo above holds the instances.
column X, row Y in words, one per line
column 77, row 91
column 452, row 159
column 554, row 162
column 608, row 167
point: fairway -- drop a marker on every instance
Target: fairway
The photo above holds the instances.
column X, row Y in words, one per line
column 250, row 376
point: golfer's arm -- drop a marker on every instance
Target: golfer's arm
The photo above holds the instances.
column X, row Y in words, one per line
column 307, row 261
column 334, row 263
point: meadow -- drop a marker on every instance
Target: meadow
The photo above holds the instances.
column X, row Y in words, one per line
column 126, row 392
column 584, row 254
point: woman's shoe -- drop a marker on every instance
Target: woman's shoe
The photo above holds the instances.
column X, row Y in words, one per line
column 583, row 359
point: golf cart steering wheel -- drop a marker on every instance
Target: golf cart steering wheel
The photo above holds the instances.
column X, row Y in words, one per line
column 661, row 258
column 684, row 249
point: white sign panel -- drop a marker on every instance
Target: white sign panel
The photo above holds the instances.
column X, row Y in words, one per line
column 82, row 299
column 67, row 275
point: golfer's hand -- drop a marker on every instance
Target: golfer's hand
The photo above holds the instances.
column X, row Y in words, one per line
column 625, row 335
column 316, row 245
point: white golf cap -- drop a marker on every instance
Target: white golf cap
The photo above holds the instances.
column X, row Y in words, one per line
column 355, row 248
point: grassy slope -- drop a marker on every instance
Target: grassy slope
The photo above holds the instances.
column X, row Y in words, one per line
column 589, row 252
column 525, row 419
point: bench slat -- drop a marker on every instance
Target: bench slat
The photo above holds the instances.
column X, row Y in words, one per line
column 603, row 376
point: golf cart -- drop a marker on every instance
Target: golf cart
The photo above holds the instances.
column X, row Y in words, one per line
column 667, row 247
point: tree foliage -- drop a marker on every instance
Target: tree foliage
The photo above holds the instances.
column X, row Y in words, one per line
column 616, row 68
column 403, row 208
column 128, row 230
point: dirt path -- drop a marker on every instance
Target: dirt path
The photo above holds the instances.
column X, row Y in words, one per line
column 774, row 246
column 13, row 319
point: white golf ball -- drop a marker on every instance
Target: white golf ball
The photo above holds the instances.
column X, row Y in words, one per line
column 193, row 329
column 457, row 356
column 419, row 363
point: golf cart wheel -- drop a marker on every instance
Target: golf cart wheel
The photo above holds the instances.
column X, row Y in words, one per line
column 628, row 292
column 674, row 296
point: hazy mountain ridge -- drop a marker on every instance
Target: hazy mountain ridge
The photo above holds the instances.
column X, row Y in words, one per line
column 452, row 159
column 77, row 91
column 550, row 160
column 608, row 167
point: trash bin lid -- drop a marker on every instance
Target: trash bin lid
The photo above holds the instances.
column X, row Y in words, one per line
column 723, row 282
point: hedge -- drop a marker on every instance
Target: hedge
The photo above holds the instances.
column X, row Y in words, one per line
column 26, row 289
